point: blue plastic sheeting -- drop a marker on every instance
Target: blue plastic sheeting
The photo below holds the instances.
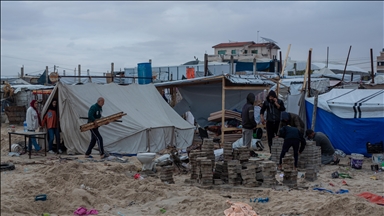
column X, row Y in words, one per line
column 348, row 135
column 248, row 66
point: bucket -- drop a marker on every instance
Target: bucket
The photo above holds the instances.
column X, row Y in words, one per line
column 377, row 158
column 357, row 160
column 144, row 72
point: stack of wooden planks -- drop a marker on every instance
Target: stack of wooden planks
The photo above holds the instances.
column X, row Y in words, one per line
column 232, row 137
column 102, row 121
column 228, row 114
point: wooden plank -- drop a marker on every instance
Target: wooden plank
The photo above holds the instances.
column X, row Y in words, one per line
column 222, row 107
column 102, row 121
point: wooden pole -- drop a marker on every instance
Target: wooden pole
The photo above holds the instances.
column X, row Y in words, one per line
column 281, row 62
column 232, row 70
column 222, row 110
column 79, row 71
column 346, row 63
column 254, row 66
column 309, row 72
column 112, row 69
column 314, row 113
column 306, row 74
column 282, row 70
column 205, row 64
column 372, row 72
column 327, row 56
column 46, row 75
column 22, row 72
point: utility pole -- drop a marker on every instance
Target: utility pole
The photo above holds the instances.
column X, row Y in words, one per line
column 64, row 72
column 79, row 73
column 327, row 56
column 46, row 75
column 373, row 74
column 112, row 69
column 205, row 64
column 22, row 72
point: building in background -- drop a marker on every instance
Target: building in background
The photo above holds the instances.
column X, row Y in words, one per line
column 380, row 63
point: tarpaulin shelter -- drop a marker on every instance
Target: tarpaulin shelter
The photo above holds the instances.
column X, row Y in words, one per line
column 349, row 117
column 150, row 124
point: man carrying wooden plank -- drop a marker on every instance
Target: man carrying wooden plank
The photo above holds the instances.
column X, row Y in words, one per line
column 94, row 113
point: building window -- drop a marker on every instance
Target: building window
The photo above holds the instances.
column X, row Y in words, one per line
column 245, row 51
column 233, row 52
column 254, row 51
column 380, row 63
column 222, row 52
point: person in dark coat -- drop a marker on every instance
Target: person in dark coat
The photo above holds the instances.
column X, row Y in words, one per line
column 274, row 107
column 292, row 137
column 248, row 120
column 294, row 121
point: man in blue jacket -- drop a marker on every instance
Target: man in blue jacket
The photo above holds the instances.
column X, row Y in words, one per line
column 94, row 113
column 292, row 138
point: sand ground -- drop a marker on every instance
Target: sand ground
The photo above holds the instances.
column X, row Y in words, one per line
column 110, row 188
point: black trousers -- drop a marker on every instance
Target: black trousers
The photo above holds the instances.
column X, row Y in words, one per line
column 95, row 137
column 295, row 143
column 272, row 129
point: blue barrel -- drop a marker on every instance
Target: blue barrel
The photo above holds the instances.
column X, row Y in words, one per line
column 144, row 71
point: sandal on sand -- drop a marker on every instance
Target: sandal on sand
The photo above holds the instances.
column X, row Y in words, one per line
column 88, row 156
column 103, row 156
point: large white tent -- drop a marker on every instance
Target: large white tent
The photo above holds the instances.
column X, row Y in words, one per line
column 150, row 124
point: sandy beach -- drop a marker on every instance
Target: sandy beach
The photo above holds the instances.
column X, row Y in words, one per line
column 110, row 188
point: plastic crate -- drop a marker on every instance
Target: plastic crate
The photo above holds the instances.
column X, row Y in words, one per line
column 374, row 148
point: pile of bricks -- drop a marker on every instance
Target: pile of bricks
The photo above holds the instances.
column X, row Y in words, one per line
column 290, row 175
column 221, row 172
column 234, row 172
column 241, row 154
column 269, row 173
column 277, row 146
column 208, row 148
column 206, row 174
column 166, row 174
column 311, row 157
column 258, row 169
column 248, row 174
column 227, row 151
column 193, row 155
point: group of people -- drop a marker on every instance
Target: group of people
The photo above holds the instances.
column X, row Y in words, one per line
column 280, row 123
column 51, row 122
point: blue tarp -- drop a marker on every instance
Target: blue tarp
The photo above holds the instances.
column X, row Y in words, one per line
column 350, row 134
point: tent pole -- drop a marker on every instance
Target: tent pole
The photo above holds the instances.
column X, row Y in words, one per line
column 314, row 110
column 346, row 63
column 222, row 110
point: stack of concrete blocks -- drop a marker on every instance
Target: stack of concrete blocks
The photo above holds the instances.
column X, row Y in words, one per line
column 269, row 173
column 192, row 161
column 228, row 151
column 218, row 174
column 234, row 172
column 241, row 154
column 258, row 169
column 311, row 157
column 290, row 174
column 248, row 174
column 206, row 174
column 166, row 175
column 208, row 151
column 277, row 146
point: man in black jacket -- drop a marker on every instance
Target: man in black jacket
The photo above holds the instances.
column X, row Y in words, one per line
column 248, row 120
column 292, row 137
column 274, row 107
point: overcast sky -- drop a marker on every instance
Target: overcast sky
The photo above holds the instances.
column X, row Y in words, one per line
column 94, row 34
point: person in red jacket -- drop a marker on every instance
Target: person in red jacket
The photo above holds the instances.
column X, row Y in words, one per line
column 50, row 120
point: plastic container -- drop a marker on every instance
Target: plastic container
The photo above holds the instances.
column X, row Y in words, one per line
column 377, row 158
column 25, row 126
column 357, row 160
column 144, row 71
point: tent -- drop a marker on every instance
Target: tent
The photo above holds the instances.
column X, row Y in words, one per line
column 150, row 124
column 349, row 117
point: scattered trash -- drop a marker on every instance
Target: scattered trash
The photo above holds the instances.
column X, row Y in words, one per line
column 7, row 166
column 344, row 182
column 138, row 176
column 344, row 175
column 84, row 211
column 120, row 214
column 41, row 197
column 13, row 154
column 162, row 210
column 374, row 178
column 340, row 152
column 373, row 198
column 240, row 209
column 25, row 169
column 331, row 184
column 82, row 186
column 335, row 175
column 341, row 191
column 261, row 200
column 45, row 214
column 131, row 203
column 106, row 207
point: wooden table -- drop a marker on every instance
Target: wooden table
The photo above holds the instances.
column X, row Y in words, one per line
column 29, row 134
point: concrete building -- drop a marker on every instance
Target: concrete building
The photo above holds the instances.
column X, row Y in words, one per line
column 244, row 51
column 380, row 62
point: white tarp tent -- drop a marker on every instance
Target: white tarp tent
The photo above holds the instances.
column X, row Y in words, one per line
column 150, row 124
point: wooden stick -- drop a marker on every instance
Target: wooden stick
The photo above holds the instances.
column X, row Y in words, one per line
column 314, row 113
column 102, row 121
column 306, row 72
column 282, row 70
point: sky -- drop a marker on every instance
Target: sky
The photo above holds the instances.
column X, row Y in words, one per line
column 95, row 34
